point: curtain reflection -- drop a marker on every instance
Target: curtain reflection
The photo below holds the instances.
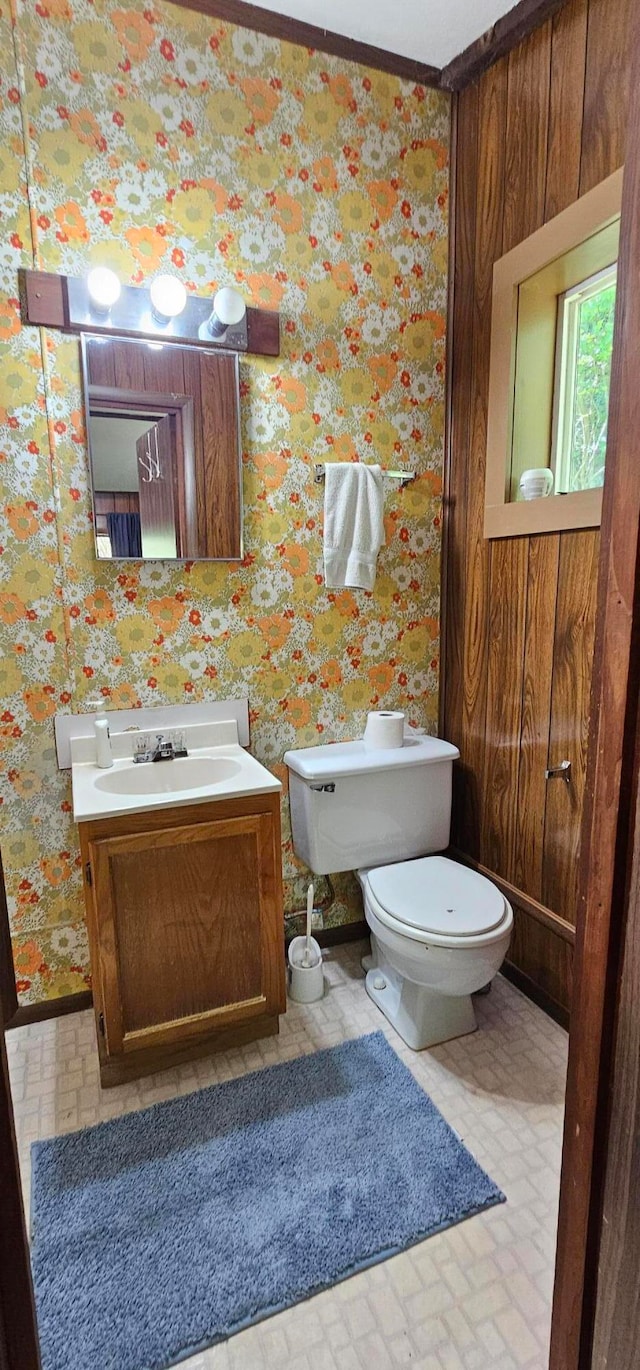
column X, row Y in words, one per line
column 125, row 535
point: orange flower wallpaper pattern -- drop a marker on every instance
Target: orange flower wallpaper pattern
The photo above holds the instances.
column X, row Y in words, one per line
column 156, row 138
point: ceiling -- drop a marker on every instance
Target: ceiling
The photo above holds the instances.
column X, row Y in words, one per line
column 429, row 31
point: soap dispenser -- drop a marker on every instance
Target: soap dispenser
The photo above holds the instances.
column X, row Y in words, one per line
column 104, row 757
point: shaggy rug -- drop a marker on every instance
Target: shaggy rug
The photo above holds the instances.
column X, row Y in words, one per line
column 166, row 1230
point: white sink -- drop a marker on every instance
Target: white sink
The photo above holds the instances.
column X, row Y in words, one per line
column 184, row 774
column 211, row 772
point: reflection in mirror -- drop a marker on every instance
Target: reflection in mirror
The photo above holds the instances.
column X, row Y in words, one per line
column 164, row 449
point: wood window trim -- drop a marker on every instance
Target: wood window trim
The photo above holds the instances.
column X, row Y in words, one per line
column 581, row 509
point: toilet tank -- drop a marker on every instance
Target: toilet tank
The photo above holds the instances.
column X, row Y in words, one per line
column 352, row 807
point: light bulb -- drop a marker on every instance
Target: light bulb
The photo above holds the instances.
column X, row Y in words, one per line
column 229, row 306
column 168, row 297
column 229, row 310
column 103, row 288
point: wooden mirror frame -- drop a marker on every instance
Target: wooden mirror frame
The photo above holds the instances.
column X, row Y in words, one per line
column 589, row 215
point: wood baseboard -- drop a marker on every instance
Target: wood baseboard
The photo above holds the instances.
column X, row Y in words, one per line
column 50, row 1008
column 533, row 991
column 553, row 921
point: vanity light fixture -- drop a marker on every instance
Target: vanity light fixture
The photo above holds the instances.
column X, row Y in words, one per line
column 228, row 319
column 158, row 311
column 103, row 288
column 168, row 298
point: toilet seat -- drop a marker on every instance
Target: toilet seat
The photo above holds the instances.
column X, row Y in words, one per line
column 437, row 899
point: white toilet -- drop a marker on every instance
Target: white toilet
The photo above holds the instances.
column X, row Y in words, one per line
column 439, row 931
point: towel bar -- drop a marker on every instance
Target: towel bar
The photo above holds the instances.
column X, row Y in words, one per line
column 405, row 477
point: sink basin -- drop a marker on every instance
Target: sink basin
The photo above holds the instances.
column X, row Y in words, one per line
column 183, row 775
column 218, row 771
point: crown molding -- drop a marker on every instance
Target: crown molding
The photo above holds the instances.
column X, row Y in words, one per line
column 290, row 30
column 504, row 35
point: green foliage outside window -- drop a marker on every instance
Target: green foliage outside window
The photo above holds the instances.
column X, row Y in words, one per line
column 588, row 438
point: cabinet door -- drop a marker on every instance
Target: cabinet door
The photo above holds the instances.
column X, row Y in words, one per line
column 189, row 930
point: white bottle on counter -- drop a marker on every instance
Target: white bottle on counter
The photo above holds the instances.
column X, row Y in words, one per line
column 104, row 756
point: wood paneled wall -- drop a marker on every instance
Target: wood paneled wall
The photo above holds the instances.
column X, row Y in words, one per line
column 540, row 128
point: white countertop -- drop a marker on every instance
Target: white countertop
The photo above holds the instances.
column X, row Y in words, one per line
column 92, row 801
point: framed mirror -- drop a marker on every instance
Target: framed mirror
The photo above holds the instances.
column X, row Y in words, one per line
column 163, row 428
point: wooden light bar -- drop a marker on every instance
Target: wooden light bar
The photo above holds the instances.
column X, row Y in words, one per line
column 52, row 301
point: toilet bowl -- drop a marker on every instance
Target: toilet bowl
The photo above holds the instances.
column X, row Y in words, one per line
column 439, row 933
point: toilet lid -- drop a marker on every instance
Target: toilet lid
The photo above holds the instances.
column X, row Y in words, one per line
column 438, row 895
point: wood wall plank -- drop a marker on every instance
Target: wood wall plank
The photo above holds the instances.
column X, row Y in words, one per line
column 526, row 150
column 607, row 90
column 524, row 199
column 488, row 246
column 505, row 653
column 547, row 123
column 537, row 673
column 545, row 959
column 569, row 731
column 460, row 374
column 604, row 1062
column 617, row 1319
column 566, row 105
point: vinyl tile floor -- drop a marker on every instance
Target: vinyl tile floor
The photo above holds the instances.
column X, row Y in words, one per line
column 475, row 1296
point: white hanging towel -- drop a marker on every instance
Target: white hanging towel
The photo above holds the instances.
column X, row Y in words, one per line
column 353, row 523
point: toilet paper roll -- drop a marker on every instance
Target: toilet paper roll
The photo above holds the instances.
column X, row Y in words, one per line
column 384, row 730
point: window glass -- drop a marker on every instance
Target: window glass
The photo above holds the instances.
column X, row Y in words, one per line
column 583, row 376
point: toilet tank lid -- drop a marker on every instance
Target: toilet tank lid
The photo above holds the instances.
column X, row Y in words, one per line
column 334, row 759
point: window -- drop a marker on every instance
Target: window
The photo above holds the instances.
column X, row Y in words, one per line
column 552, row 314
column 582, row 377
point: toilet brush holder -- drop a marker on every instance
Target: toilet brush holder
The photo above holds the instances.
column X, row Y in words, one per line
column 306, row 983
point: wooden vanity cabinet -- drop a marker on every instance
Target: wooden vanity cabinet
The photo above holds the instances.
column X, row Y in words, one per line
column 186, row 931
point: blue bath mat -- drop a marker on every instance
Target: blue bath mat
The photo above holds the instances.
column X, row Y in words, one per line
column 161, row 1232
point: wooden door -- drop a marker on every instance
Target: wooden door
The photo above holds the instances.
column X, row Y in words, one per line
column 596, row 1313
column 188, row 930
column 156, row 489
column 18, row 1335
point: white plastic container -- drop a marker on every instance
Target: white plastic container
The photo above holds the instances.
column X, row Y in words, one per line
column 306, row 983
column 104, row 756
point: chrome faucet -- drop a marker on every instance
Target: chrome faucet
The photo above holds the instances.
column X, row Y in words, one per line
column 166, row 748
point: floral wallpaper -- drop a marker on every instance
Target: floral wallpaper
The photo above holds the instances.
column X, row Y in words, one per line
column 151, row 138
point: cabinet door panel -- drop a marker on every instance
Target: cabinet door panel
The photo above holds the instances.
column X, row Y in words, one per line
column 187, row 929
